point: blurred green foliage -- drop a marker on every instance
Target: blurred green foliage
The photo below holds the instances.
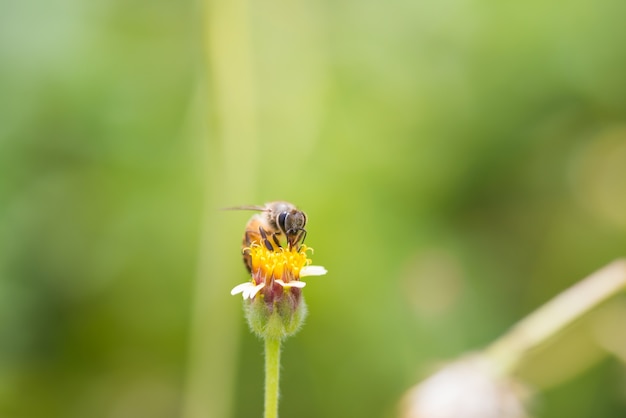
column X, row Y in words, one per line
column 461, row 162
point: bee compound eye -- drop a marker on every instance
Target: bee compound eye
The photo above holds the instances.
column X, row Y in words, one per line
column 282, row 220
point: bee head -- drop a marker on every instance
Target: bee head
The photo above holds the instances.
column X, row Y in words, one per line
column 292, row 224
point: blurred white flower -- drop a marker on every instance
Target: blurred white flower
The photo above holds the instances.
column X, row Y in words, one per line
column 468, row 388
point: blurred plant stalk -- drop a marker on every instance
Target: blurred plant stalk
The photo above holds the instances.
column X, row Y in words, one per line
column 556, row 315
column 232, row 144
column 482, row 385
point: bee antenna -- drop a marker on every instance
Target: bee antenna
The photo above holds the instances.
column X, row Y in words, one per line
column 247, row 207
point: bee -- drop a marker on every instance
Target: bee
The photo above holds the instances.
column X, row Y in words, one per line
column 278, row 224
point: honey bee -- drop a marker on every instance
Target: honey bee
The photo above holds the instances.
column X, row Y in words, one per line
column 279, row 224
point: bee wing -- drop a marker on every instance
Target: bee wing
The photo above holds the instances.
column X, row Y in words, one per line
column 247, row 207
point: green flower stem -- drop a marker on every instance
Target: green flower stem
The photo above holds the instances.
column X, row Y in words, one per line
column 272, row 372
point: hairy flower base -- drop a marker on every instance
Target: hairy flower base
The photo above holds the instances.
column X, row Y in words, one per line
column 273, row 298
column 283, row 320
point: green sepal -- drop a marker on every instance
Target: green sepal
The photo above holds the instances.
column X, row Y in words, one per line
column 278, row 321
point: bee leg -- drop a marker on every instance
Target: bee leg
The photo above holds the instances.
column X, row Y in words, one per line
column 276, row 241
column 247, row 239
column 266, row 241
column 301, row 237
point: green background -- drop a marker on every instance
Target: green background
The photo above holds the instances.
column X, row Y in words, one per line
column 460, row 162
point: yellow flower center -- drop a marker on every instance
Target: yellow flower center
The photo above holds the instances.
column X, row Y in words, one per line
column 283, row 264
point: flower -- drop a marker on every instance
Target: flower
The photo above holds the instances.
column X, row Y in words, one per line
column 471, row 387
column 274, row 305
column 276, row 271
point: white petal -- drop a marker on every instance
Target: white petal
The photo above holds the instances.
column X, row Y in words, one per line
column 293, row 283
column 255, row 290
column 240, row 288
column 297, row 284
column 248, row 291
column 312, row 271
